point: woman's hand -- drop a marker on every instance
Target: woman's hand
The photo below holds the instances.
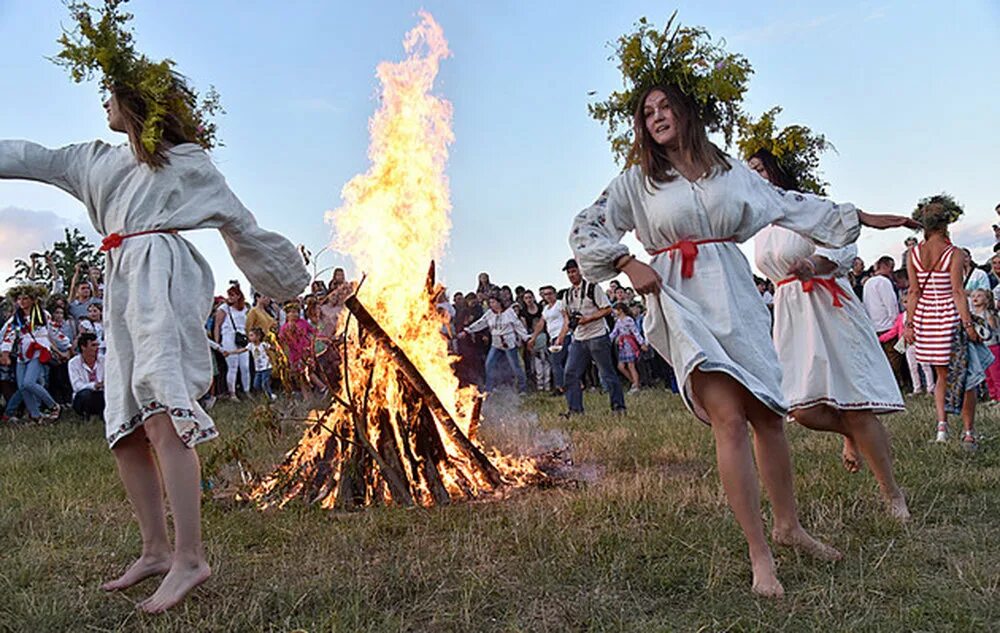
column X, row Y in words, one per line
column 886, row 221
column 909, row 334
column 803, row 268
column 970, row 331
column 644, row 279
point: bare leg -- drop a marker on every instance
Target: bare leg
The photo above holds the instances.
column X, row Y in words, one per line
column 969, row 418
column 633, row 374
column 940, row 386
column 775, row 464
column 141, row 479
column 722, row 398
column 873, row 441
column 824, row 418
column 182, row 479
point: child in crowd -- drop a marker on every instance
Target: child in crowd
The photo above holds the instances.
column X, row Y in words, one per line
column 259, row 351
column 94, row 323
column 628, row 338
column 296, row 335
column 985, row 314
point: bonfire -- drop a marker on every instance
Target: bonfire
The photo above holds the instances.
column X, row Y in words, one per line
column 401, row 429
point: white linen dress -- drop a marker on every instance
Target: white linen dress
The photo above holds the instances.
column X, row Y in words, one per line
column 829, row 355
column 158, row 288
column 714, row 320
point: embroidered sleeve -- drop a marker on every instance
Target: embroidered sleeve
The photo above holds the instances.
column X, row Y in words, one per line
column 597, row 232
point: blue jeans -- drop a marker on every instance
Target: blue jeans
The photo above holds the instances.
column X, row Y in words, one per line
column 30, row 375
column 558, row 362
column 513, row 359
column 262, row 382
column 580, row 355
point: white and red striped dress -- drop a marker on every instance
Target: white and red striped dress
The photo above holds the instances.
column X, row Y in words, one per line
column 935, row 318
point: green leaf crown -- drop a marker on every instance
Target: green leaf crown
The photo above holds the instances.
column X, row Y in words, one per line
column 682, row 56
column 953, row 210
column 102, row 42
column 796, row 147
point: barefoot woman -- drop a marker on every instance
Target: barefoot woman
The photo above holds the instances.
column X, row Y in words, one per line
column 158, row 287
column 834, row 373
column 689, row 205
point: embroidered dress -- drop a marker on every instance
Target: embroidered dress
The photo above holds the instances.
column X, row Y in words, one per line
column 628, row 338
column 158, row 288
column 936, row 315
column 714, row 319
column 825, row 341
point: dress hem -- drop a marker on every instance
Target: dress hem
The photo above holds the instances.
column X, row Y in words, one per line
column 702, row 363
column 186, row 424
column 879, row 408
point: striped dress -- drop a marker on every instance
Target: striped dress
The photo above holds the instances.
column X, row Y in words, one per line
column 935, row 318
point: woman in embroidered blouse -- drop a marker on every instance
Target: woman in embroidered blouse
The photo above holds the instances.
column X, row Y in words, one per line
column 689, row 205
column 158, row 289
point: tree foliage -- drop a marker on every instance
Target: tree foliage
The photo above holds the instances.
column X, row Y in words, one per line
column 796, row 147
column 686, row 57
column 73, row 249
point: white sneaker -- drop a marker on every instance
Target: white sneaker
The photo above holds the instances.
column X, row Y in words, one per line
column 942, row 432
column 633, row 390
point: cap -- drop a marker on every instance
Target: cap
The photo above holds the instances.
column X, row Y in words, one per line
column 570, row 263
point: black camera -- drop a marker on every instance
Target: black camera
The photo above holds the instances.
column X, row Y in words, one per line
column 84, row 267
column 574, row 319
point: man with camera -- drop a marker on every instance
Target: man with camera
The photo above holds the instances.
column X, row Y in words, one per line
column 586, row 307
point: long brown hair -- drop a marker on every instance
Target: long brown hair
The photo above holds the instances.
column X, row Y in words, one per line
column 652, row 157
column 133, row 109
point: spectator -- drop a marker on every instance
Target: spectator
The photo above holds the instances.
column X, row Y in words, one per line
column 231, row 334
column 857, row 276
column 908, row 243
column 485, row 287
column 587, row 306
column 83, row 295
column 26, row 335
column 94, row 323
column 507, row 333
column 554, row 325
column 261, row 315
column 63, row 340
column 86, row 374
column 975, row 278
column 882, row 305
column 297, row 337
column 628, row 338
column 260, row 351
column 994, row 274
column 536, row 352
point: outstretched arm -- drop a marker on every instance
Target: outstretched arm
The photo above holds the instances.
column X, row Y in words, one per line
column 67, row 167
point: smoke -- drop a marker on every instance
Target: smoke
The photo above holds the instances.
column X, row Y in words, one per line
column 507, row 426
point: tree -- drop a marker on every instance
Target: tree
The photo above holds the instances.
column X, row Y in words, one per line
column 73, row 249
column 796, row 147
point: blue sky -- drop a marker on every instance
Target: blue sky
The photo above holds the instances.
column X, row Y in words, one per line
column 906, row 91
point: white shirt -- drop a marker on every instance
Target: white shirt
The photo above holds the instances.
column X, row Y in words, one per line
column 978, row 280
column 578, row 301
column 506, row 328
column 554, row 319
column 881, row 302
column 259, row 353
column 82, row 376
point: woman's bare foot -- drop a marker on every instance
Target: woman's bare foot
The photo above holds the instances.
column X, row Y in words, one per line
column 897, row 507
column 849, row 456
column 179, row 581
column 147, row 565
column 765, row 577
column 800, row 540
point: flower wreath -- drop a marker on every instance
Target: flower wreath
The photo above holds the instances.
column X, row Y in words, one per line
column 104, row 43
column 678, row 55
column 796, row 147
column 953, row 209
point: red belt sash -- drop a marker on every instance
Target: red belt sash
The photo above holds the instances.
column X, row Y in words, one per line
column 689, row 252
column 115, row 240
column 829, row 283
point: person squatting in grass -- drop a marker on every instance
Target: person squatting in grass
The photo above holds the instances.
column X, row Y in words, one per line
column 158, row 287
column 689, row 205
column 835, row 375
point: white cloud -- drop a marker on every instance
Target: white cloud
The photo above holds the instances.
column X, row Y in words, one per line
column 24, row 230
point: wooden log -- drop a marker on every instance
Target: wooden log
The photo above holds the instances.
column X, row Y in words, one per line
column 430, row 448
column 424, row 391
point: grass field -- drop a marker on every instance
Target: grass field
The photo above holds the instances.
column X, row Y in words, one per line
column 646, row 543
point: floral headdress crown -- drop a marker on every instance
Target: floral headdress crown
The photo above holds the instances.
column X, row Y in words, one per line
column 796, row 147
column 104, row 43
column 31, row 289
column 952, row 209
column 685, row 57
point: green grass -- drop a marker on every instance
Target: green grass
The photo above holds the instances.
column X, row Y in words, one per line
column 645, row 544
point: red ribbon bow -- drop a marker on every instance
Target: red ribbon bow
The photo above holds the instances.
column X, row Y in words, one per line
column 112, row 241
column 829, row 283
column 689, row 252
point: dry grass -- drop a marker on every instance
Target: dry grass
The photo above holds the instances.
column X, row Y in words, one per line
column 646, row 545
